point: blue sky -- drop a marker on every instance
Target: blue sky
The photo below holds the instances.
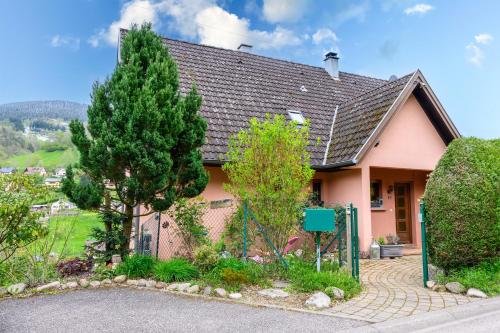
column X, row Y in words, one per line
column 56, row 49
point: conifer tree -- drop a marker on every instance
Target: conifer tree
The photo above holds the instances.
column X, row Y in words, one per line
column 143, row 138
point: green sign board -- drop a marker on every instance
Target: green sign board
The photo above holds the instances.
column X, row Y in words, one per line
column 319, row 219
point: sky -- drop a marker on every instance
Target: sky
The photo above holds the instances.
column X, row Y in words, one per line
column 56, row 49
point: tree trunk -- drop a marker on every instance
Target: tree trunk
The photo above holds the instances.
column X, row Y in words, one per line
column 108, row 223
column 127, row 228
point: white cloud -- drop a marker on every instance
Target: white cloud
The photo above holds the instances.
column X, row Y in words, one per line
column 283, row 10
column 133, row 12
column 65, row 41
column 324, row 35
column 353, row 12
column 483, row 38
column 419, row 8
column 183, row 14
column 476, row 55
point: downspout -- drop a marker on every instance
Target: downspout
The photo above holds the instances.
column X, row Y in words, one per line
column 331, row 134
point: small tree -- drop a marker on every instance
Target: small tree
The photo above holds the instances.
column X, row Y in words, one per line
column 19, row 224
column 142, row 143
column 462, row 201
column 268, row 167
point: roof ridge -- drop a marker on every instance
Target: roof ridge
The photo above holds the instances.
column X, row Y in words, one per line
column 349, row 102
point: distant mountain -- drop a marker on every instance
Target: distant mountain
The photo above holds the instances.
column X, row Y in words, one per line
column 44, row 109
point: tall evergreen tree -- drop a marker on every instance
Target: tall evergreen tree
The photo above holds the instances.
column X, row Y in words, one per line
column 143, row 139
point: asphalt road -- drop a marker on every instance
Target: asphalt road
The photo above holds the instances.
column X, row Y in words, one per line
column 129, row 310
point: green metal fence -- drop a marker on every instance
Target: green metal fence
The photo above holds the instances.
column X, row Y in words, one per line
column 425, row 266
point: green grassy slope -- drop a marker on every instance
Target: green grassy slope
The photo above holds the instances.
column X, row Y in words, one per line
column 42, row 158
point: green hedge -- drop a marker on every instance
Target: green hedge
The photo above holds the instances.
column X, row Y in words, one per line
column 463, row 204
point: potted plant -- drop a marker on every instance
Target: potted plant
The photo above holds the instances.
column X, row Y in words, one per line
column 391, row 248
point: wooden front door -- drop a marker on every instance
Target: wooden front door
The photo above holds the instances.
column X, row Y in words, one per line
column 403, row 212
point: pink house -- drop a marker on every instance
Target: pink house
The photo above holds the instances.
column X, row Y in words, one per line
column 378, row 139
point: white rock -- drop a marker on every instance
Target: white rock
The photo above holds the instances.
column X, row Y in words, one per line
column 16, row 288
column 317, row 301
column 95, row 284
column 439, row 288
column 281, row 284
column 220, row 292
column 84, row 283
column 132, row 282
column 207, row 291
column 150, row 283
column 71, row 284
column 172, row 286
column 194, row 289
column 49, row 286
column 183, row 286
column 273, row 293
column 160, row 285
column 473, row 292
column 455, row 287
column 430, row 284
column 235, row 295
column 106, row 281
column 337, row 293
column 142, row 282
column 120, row 279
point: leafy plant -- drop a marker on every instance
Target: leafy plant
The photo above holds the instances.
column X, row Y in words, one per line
column 232, row 273
column 188, row 216
column 381, row 240
column 205, row 258
column 310, row 281
column 268, row 167
column 74, row 266
column 112, row 238
column 392, row 239
column 142, row 143
column 137, row 266
column 104, row 272
column 462, row 201
column 233, row 233
column 176, row 269
column 233, row 277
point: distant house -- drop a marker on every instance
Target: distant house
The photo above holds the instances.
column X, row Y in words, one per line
column 53, row 182
column 62, row 207
column 60, row 172
column 7, row 170
column 35, row 171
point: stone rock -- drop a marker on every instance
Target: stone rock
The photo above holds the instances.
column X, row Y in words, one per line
column 173, row 286
column 273, row 293
column 132, row 282
column 235, row 295
column 95, row 284
column 439, row 288
column 150, row 283
column 183, row 286
column 17, row 288
column 281, row 284
column 49, row 286
column 207, row 291
column 430, row 284
column 120, row 279
column 473, row 292
column 116, row 259
column 72, row 285
column 434, row 271
column 336, row 293
column 84, row 283
column 194, row 289
column 106, row 281
column 298, row 253
column 317, row 301
column 455, row 287
column 3, row 291
column 220, row 292
column 160, row 285
column 142, row 283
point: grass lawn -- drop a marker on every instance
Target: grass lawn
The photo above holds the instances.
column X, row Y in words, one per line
column 42, row 158
column 78, row 227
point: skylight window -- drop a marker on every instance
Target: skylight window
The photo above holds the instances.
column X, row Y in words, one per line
column 296, row 116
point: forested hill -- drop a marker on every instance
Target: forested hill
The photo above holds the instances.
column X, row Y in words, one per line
column 44, row 109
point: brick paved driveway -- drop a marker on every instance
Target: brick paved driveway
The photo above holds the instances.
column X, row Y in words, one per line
column 393, row 289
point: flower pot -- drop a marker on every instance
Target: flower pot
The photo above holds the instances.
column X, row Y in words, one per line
column 391, row 251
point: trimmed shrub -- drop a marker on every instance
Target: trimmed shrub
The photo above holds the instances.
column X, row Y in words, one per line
column 176, row 269
column 137, row 266
column 205, row 257
column 74, row 266
column 462, row 201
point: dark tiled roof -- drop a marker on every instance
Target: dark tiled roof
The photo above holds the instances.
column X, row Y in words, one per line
column 237, row 86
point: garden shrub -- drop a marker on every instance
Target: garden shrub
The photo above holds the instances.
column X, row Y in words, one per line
column 74, row 266
column 176, row 269
column 136, row 266
column 462, row 201
column 233, row 277
column 32, row 270
column 188, row 215
column 205, row 258
column 232, row 273
column 309, row 281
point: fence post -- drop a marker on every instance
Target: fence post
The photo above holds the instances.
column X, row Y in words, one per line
column 356, row 243
column 425, row 268
column 158, row 234
column 348, row 225
column 245, row 217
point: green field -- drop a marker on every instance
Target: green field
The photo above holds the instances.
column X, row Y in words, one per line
column 76, row 228
column 42, row 158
